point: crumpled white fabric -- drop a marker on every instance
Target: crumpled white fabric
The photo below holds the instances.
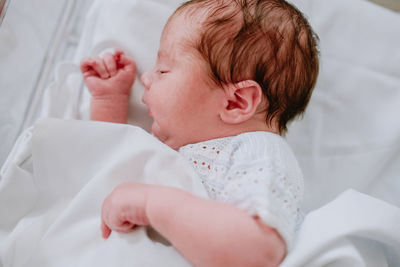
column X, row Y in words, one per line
column 53, row 186
column 54, row 182
column 349, row 136
column 354, row 230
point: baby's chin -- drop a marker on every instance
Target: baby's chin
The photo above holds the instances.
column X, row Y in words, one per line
column 158, row 133
column 155, row 130
column 171, row 142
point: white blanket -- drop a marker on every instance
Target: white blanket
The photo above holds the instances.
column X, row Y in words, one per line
column 53, row 187
column 54, row 182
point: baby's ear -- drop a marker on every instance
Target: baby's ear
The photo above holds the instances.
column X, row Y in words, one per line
column 241, row 101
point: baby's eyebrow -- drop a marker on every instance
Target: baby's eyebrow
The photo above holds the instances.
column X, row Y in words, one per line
column 165, row 57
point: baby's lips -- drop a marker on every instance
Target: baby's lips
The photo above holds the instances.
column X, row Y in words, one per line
column 148, row 108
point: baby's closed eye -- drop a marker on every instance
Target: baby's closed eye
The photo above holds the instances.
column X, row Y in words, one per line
column 162, row 71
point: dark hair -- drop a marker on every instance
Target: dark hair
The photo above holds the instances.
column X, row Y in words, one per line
column 268, row 41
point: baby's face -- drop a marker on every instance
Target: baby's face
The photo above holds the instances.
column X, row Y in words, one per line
column 179, row 94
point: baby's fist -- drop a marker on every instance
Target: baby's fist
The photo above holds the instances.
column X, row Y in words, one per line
column 112, row 74
column 125, row 208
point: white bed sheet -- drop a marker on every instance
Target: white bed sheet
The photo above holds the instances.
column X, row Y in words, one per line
column 350, row 134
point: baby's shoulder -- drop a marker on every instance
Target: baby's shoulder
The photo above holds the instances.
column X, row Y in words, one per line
column 243, row 152
column 259, row 146
column 263, row 149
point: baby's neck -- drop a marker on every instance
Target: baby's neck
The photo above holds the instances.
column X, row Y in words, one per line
column 234, row 130
column 254, row 125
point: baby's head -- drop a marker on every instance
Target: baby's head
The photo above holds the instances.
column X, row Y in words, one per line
column 261, row 53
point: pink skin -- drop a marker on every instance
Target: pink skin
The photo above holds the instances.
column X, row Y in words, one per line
column 182, row 100
column 109, row 80
column 186, row 108
column 123, row 209
column 205, row 232
column 114, row 74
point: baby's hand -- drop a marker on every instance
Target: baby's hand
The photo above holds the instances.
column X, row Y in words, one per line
column 112, row 74
column 125, row 208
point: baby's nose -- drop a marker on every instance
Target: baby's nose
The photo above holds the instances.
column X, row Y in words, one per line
column 145, row 78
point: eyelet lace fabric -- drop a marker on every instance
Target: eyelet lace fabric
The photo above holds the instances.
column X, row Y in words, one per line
column 256, row 172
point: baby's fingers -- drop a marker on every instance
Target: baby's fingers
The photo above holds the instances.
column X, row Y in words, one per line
column 110, row 64
column 124, row 62
column 99, row 66
column 90, row 73
column 125, row 227
column 105, row 230
column 94, row 67
column 87, row 68
column 127, row 65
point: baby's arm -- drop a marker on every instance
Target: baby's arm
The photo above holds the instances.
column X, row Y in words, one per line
column 206, row 232
column 109, row 80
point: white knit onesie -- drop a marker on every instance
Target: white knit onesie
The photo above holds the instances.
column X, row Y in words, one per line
column 255, row 171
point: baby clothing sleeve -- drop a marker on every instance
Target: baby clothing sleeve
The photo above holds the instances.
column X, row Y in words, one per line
column 254, row 171
column 264, row 179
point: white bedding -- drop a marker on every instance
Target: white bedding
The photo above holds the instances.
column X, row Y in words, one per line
column 18, row 29
column 60, row 172
column 57, row 178
column 31, row 44
column 350, row 134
